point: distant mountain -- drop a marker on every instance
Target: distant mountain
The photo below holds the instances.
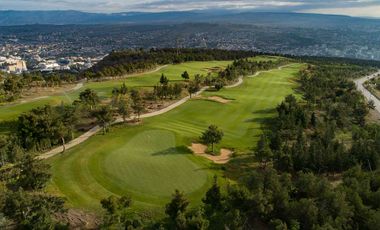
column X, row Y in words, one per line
column 9, row 18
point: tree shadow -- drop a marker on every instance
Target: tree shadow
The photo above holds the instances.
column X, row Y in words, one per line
column 265, row 111
column 264, row 121
column 180, row 150
column 7, row 126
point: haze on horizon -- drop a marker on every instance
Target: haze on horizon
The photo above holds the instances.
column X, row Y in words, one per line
column 360, row 8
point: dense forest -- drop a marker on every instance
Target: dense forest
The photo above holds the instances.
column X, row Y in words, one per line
column 318, row 159
column 119, row 63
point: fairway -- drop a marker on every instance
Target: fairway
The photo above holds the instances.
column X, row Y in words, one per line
column 150, row 160
column 104, row 88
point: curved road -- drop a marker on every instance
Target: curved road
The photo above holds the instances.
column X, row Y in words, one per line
column 359, row 85
column 97, row 128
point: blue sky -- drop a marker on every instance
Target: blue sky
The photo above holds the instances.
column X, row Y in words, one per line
column 366, row 8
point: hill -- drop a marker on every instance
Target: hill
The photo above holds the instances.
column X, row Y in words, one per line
column 8, row 18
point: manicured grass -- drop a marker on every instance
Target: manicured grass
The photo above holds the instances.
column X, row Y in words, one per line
column 104, row 89
column 150, row 160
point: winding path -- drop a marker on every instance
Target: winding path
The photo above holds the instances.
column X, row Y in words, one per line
column 97, row 128
column 76, row 87
column 367, row 94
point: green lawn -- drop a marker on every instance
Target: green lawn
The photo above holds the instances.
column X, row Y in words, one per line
column 150, row 160
column 104, row 89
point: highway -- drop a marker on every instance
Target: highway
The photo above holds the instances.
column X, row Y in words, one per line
column 359, row 84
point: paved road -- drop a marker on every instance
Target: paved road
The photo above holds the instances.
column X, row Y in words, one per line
column 359, row 84
column 96, row 129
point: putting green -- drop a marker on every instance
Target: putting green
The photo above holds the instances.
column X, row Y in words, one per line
column 150, row 160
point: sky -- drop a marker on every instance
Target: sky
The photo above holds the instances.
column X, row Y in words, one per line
column 362, row 8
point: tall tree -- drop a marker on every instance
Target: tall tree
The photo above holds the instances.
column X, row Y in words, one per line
column 89, row 98
column 192, row 88
column 185, row 75
column 164, row 80
column 263, row 152
column 212, row 136
column 124, row 107
column 32, row 210
column 137, row 103
column 31, row 173
column 104, row 116
column 177, row 205
column 213, row 198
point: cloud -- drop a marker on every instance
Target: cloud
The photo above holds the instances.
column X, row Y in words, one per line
column 372, row 10
column 348, row 7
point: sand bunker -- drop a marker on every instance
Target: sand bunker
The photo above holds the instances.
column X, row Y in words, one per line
column 200, row 149
column 219, row 99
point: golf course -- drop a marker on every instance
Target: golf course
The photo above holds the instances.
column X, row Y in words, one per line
column 104, row 88
column 150, row 160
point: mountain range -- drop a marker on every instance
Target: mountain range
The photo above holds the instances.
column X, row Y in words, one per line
column 12, row 18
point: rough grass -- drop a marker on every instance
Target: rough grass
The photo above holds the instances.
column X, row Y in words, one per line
column 150, row 160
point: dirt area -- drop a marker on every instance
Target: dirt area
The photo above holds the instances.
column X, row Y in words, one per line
column 373, row 116
column 152, row 106
column 214, row 98
column 219, row 99
column 46, row 91
column 215, row 69
column 79, row 219
column 200, row 150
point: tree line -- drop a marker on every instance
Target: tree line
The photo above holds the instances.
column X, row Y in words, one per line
column 119, row 63
column 12, row 86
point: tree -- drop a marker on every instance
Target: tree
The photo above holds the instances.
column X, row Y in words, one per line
column 89, row 98
column 313, row 120
column 124, row 107
column 192, row 88
column 185, row 76
column 115, row 207
column 197, row 221
column 104, row 116
column 212, row 136
column 39, row 129
column 263, row 152
column 12, row 86
column 137, row 103
column 177, row 90
column 123, row 89
column 164, row 80
column 177, row 205
column 69, row 117
column 218, row 85
column 31, row 173
column 213, row 198
column 32, row 211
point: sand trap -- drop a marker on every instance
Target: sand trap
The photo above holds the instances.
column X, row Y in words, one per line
column 219, row 99
column 200, row 149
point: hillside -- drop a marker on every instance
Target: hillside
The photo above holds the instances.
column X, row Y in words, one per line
column 8, row 18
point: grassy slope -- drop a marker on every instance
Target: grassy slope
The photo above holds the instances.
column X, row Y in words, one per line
column 149, row 161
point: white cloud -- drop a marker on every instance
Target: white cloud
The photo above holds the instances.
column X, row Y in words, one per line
column 368, row 8
column 365, row 11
